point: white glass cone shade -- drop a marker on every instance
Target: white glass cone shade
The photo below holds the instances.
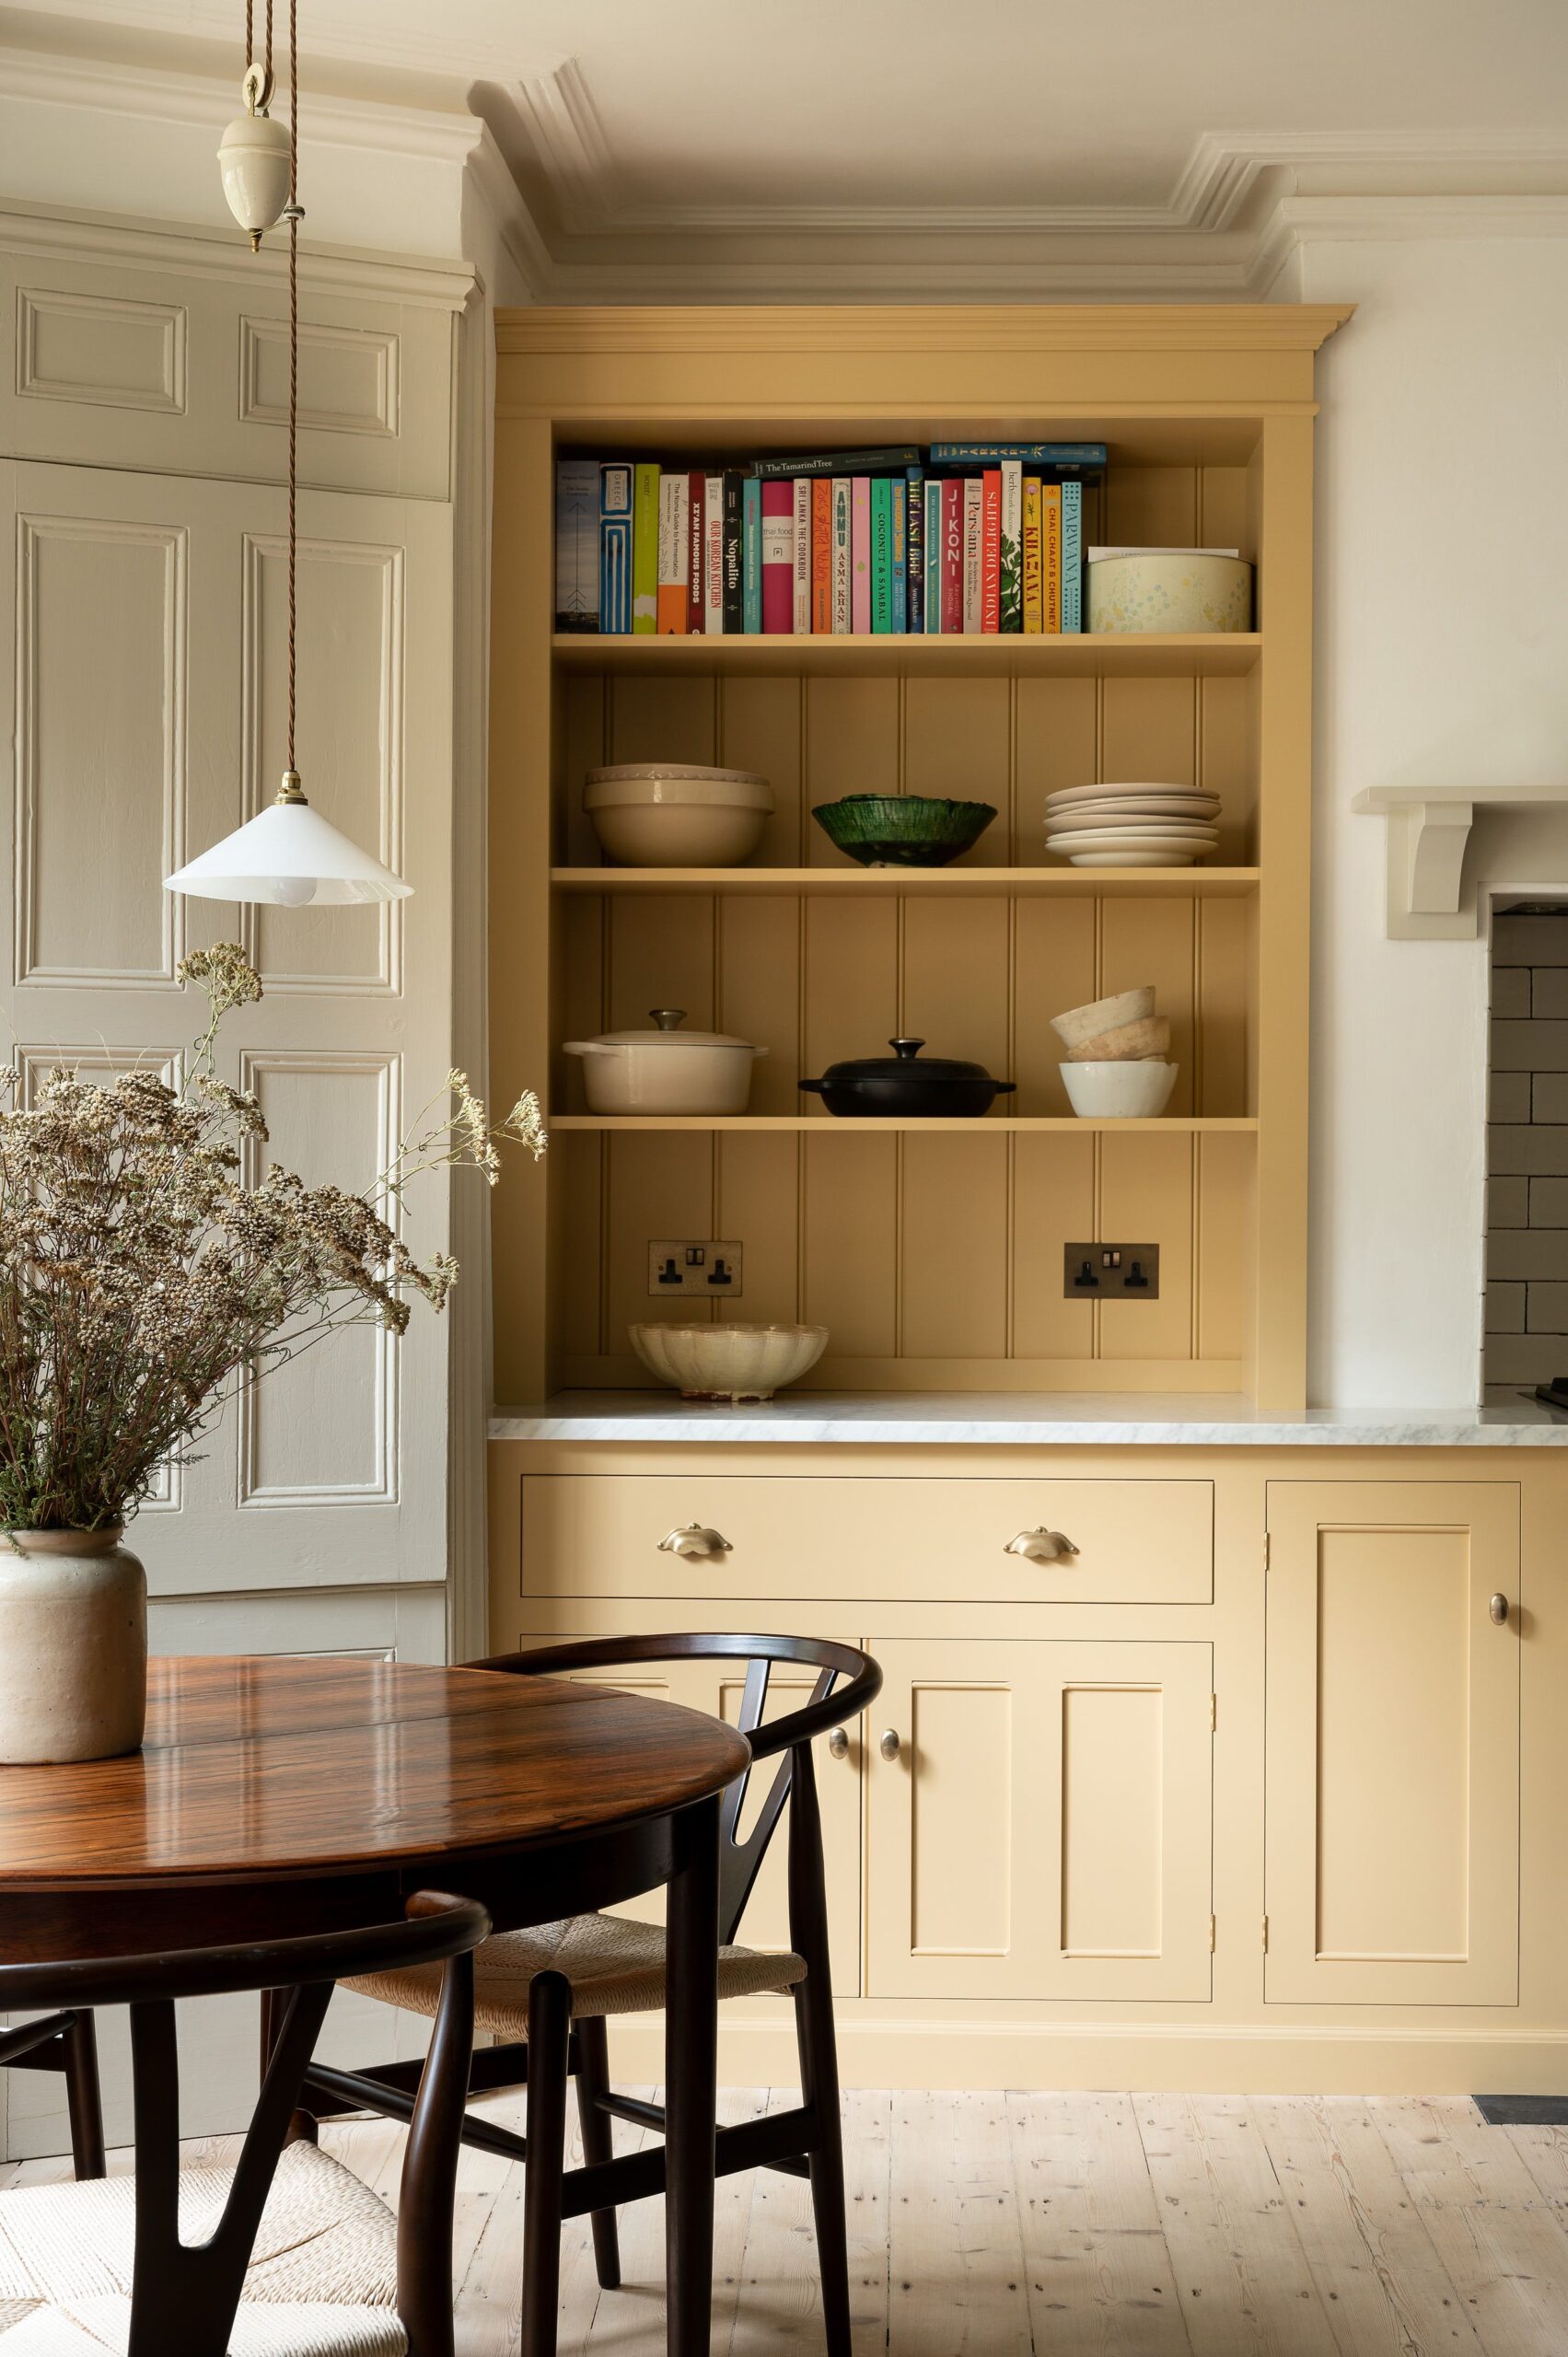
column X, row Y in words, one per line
column 292, row 857
column 253, row 158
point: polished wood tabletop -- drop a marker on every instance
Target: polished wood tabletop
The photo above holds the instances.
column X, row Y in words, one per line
column 261, row 1766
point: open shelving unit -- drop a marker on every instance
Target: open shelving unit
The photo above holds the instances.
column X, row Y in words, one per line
column 928, row 1248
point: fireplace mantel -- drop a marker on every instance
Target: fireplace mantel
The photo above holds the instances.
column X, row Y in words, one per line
column 1429, row 831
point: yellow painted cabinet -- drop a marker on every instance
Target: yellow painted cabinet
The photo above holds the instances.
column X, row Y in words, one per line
column 1042, row 1828
column 1393, row 1742
column 715, row 1687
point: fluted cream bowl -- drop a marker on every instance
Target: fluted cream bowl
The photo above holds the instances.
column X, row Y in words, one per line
column 729, row 1362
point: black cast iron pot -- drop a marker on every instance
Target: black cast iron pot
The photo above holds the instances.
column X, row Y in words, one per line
column 903, row 1087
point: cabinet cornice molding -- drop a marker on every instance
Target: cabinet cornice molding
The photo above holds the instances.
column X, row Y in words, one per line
column 966, row 329
column 48, row 233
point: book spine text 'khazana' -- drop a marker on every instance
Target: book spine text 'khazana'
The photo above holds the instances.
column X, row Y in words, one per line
column 644, row 549
column 616, row 480
column 576, row 544
column 1034, row 609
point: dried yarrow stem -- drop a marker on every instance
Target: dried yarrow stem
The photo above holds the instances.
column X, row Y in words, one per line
column 142, row 1281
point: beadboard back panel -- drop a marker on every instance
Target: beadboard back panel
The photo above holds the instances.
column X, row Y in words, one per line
column 918, row 1251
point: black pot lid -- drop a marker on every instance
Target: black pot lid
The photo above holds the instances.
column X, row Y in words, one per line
column 906, row 1060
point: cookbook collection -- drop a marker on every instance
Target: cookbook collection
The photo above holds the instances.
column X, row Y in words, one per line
column 961, row 538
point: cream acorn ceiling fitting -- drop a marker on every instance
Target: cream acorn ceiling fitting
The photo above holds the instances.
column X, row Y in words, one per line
column 255, row 154
column 289, row 853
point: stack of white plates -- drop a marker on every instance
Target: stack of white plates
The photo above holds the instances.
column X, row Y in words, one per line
column 1132, row 825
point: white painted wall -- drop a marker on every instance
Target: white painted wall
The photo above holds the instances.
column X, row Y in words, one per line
column 1442, row 636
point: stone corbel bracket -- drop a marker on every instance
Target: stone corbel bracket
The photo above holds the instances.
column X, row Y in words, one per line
column 1429, row 832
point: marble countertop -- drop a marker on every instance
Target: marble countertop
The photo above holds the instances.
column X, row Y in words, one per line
column 1218, row 1419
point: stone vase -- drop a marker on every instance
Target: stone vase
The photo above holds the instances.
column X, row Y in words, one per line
column 73, row 1646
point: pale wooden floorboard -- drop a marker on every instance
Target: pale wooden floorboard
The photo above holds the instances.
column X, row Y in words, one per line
column 1242, row 2275
column 1099, row 2271
column 1064, row 2225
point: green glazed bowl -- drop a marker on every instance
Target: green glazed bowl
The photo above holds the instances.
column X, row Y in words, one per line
column 903, row 829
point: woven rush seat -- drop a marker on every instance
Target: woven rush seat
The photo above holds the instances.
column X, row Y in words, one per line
column 322, row 2279
column 614, row 1965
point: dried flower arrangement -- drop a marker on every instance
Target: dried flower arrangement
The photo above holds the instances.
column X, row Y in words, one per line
column 149, row 1269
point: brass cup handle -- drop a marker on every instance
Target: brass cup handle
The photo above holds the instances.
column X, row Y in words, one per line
column 1040, row 1546
column 694, row 1540
column 1499, row 1610
column 838, row 1744
column 889, row 1746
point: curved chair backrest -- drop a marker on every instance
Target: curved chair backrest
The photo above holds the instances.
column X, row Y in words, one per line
column 831, row 1705
column 183, row 2297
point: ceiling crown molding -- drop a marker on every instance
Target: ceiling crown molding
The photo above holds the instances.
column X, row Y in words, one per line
column 205, row 101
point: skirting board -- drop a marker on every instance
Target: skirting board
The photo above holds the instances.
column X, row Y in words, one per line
column 1157, row 2058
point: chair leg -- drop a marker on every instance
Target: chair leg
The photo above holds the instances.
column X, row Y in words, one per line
column 593, row 2080
column 83, row 2099
column 819, row 2074
column 549, row 2038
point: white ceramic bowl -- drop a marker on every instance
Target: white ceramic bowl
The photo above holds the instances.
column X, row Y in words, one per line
column 669, row 814
column 1081, row 1023
column 729, row 1362
column 1174, row 590
column 666, row 1070
column 1109, row 1092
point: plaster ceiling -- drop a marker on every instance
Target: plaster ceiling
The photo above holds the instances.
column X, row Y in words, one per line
column 724, row 129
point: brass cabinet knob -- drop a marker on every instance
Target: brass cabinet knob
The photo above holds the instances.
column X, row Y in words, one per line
column 888, row 1747
column 1500, row 1609
column 1040, row 1546
column 838, row 1744
column 694, row 1540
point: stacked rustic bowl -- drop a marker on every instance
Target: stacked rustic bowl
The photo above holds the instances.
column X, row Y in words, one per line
column 1115, row 1067
column 1132, row 825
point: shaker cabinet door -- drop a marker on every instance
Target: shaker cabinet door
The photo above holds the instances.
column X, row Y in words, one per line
column 1393, row 1743
column 1040, row 1821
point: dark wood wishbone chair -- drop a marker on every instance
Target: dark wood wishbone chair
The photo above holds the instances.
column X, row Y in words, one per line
column 334, row 2269
column 546, row 1995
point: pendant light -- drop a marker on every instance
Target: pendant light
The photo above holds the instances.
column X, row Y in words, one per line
column 288, row 855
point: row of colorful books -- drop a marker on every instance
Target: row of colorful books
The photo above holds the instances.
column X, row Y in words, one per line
column 964, row 538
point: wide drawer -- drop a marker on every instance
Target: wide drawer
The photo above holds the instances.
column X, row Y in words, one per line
column 893, row 1540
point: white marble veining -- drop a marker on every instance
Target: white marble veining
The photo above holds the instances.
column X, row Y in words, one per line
column 934, row 1419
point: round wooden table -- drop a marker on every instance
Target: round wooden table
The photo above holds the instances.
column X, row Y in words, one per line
column 275, row 1796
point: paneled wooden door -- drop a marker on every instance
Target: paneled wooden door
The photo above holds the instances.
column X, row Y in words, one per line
column 147, row 614
column 1043, row 1829
column 1393, row 1743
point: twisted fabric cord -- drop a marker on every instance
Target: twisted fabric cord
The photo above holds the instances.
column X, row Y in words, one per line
column 293, row 320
